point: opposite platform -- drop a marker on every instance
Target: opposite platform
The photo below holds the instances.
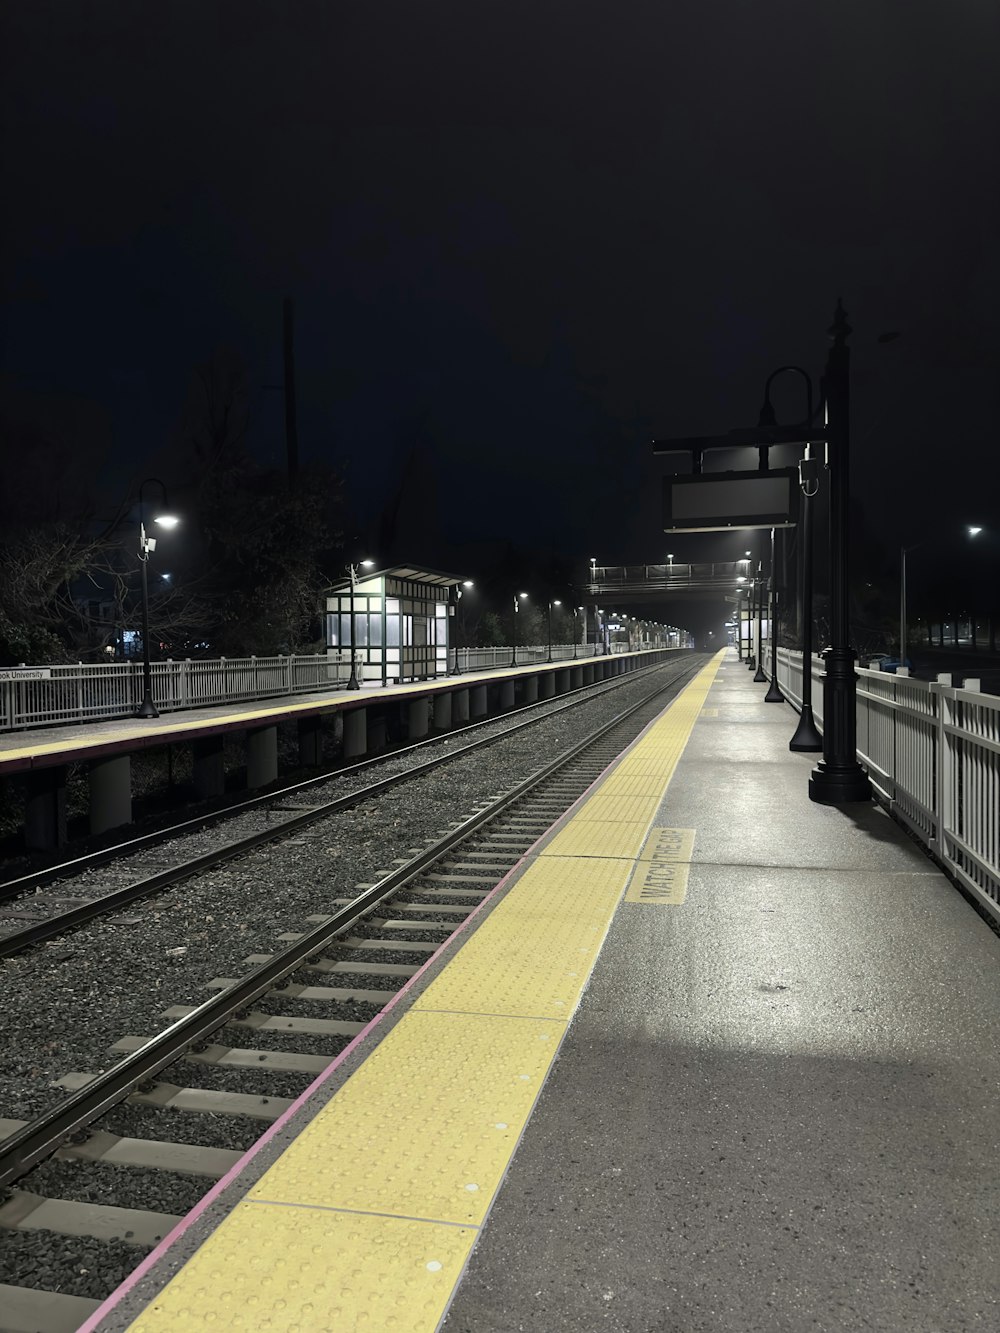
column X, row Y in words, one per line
column 775, row 1107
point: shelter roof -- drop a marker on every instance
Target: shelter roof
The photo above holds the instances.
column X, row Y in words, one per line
column 433, row 578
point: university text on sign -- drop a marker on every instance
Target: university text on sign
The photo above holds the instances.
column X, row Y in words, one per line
column 26, row 673
column 661, row 873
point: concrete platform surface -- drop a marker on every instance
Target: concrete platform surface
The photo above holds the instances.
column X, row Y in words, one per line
column 777, row 1106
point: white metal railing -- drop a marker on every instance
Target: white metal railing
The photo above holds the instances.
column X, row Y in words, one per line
column 43, row 696
column 932, row 751
column 499, row 656
column 84, row 692
column 496, row 658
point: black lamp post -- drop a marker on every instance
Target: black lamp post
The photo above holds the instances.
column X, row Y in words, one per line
column 456, row 594
column 352, row 682
column 518, row 598
column 456, row 597
column 760, row 675
column 774, row 695
column 576, row 627
column 556, row 602
column 806, row 738
column 147, row 545
column 839, row 778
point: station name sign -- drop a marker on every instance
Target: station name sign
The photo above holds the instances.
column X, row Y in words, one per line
column 25, row 673
column 718, row 501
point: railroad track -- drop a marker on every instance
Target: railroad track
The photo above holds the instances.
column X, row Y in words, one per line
column 62, row 910
column 152, row 1145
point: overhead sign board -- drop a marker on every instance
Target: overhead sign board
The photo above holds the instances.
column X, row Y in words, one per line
column 718, row 501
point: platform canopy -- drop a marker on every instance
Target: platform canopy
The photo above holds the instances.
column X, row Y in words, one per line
column 433, row 578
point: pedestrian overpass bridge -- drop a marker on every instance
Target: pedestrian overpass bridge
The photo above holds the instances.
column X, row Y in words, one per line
column 638, row 583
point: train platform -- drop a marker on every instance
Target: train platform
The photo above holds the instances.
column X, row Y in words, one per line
column 711, row 1057
column 38, row 747
column 41, row 757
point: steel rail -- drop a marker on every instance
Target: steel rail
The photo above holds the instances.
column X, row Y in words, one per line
column 36, row 879
column 47, row 1132
column 61, row 923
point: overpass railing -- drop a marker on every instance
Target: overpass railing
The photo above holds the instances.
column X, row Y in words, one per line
column 932, row 752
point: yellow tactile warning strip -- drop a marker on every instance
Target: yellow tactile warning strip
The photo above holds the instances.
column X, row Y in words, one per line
column 273, row 1269
column 368, row 1218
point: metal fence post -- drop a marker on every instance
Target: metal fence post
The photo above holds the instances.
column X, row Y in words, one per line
column 942, row 767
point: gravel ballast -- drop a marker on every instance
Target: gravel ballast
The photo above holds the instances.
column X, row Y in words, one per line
column 67, row 1002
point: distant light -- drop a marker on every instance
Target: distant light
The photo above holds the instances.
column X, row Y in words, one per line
column 468, row 584
column 974, row 532
column 557, row 602
column 166, row 577
column 741, row 578
column 367, row 564
column 167, row 520
column 522, row 595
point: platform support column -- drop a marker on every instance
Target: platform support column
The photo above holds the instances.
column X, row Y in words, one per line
column 45, row 808
column 262, row 757
column 311, row 741
column 110, row 793
column 507, row 694
column 417, row 716
column 576, row 677
column 355, row 732
column 562, row 682
column 548, row 684
column 477, row 701
column 209, row 767
column 530, row 689
column 460, row 707
column 588, row 674
column 442, row 711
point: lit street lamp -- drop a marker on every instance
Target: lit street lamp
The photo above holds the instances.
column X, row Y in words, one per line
column 551, row 605
column 519, row 597
column 353, row 683
column 456, row 597
column 147, row 545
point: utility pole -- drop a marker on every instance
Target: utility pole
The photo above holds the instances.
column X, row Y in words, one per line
column 291, row 429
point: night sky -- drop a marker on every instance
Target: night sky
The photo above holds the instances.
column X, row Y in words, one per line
column 522, row 240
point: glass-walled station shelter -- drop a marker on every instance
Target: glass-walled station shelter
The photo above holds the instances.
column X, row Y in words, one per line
column 401, row 622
